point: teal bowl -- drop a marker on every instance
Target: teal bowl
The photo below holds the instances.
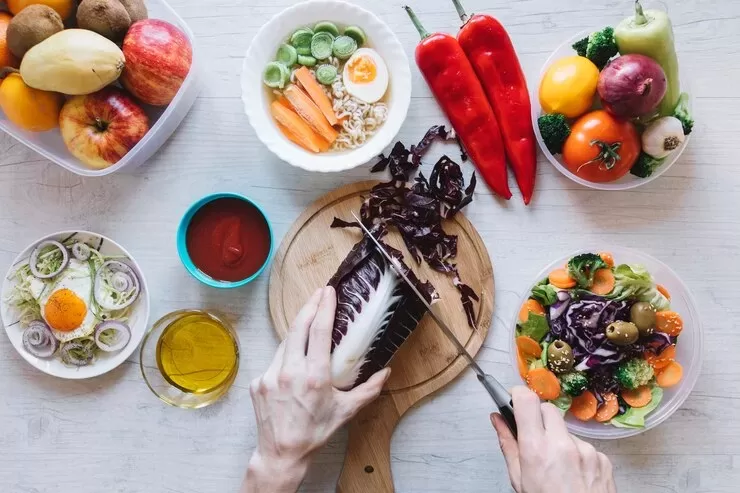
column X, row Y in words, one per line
column 182, row 248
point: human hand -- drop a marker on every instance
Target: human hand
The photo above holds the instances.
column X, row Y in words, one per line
column 296, row 406
column 548, row 459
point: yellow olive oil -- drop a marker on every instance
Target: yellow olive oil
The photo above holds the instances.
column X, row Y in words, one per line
column 197, row 354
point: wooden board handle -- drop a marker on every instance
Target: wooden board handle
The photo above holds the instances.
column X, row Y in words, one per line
column 367, row 465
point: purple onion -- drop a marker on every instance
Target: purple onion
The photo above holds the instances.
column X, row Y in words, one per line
column 33, row 261
column 117, row 331
column 559, row 307
column 77, row 354
column 123, row 280
column 39, row 340
column 81, row 252
column 632, row 85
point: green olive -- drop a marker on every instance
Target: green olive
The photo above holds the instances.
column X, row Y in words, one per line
column 622, row 333
column 642, row 315
column 560, row 357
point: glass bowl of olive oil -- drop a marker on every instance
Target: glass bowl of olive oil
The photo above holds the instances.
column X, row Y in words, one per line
column 190, row 358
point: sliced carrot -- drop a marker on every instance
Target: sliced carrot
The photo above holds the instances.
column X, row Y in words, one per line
column 298, row 129
column 670, row 375
column 584, row 406
column 323, row 145
column 664, row 291
column 528, row 347
column 669, row 323
column 544, row 383
column 604, row 282
column 522, row 364
column 561, row 279
column 284, row 101
column 317, row 94
column 639, row 397
column 308, row 110
column 532, row 306
column 608, row 409
column 660, row 361
column 608, row 258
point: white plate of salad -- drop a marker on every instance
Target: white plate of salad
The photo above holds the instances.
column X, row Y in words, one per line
column 612, row 338
column 75, row 304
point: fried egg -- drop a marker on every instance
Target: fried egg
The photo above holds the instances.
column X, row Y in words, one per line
column 66, row 302
column 365, row 76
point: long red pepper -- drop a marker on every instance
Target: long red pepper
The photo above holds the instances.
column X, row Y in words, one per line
column 490, row 51
column 460, row 94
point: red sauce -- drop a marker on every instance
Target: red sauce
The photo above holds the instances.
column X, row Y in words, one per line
column 228, row 239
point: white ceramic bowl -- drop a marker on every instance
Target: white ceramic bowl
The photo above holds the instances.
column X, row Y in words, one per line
column 163, row 120
column 257, row 99
column 689, row 350
column 628, row 181
column 105, row 362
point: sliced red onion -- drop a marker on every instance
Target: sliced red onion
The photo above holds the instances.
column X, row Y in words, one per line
column 32, row 263
column 39, row 340
column 124, row 282
column 77, row 354
column 557, row 310
column 81, row 251
column 117, row 337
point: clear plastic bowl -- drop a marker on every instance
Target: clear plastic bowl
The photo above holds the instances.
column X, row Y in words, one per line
column 689, row 350
column 163, row 120
column 628, row 181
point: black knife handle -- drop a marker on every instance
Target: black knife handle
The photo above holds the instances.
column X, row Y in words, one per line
column 502, row 399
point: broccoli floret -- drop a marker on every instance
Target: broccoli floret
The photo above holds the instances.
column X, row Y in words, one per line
column 682, row 113
column 555, row 130
column 634, row 373
column 645, row 165
column 599, row 47
column 573, row 383
column 581, row 46
column 583, row 267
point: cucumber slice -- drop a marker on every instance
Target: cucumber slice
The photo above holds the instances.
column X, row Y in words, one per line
column 326, row 74
column 321, row 45
column 357, row 34
column 301, row 41
column 276, row 75
column 326, row 27
column 344, row 47
column 287, row 55
column 306, row 60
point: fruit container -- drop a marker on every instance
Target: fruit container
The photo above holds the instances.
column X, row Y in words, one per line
column 163, row 120
column 689, row 350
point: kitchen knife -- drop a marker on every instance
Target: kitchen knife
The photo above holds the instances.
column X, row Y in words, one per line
column 498, row 393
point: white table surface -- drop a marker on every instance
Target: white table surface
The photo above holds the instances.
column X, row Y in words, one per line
column 111, row 434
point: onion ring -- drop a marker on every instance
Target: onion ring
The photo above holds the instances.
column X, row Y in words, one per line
column 123, row 276
column 121, row 336
column 77, row 354
column 81, row 251
column 39, row 340
column 33, row 261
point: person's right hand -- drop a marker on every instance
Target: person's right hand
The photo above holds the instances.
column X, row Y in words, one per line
column 548, row 459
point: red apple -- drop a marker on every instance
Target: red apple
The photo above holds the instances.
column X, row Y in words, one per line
column 100, row 128
column 158, row 59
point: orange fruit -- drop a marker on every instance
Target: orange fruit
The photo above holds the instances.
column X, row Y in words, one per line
column 63, row 7
column 28, row 108
column 7, row 59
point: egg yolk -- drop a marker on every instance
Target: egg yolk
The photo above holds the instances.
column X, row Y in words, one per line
column 362, row 70
column 65, row 311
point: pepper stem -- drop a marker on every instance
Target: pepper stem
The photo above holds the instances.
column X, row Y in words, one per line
column 417, row 23
column 461, row 11
column 640, row 18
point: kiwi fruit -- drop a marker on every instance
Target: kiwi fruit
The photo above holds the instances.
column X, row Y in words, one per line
column 31, row 26
column 106, row 17
column 136, row 9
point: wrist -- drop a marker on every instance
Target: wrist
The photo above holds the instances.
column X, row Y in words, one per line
column 274, row 474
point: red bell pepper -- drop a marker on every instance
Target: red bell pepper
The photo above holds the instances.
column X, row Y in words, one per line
column 490, row 51
column 460, row 94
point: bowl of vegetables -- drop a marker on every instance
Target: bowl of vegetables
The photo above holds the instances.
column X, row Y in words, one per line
column 612, row 111
column 612, row 339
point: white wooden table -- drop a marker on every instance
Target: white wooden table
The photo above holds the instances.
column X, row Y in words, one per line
column 111, row 434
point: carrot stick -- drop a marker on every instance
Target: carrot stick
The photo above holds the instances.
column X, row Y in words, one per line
column 530, row 306
column 608, row 409
column 298, row 129
column 608, row 258
column 522, row 364
column 639, row 397
column 669, row 323
column 528, row 347
column 660, row 361
column 584, row 406
column 670, row 375
column 317, row 94
column 544, row 383
column 604, row 282
column 664, row 291
column 308, row 110
column 561, row 279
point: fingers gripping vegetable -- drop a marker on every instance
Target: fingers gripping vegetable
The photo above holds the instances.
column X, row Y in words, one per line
column 459, row 92
column 490, row 51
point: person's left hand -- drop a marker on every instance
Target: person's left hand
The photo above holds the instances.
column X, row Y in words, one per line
column 296, row 406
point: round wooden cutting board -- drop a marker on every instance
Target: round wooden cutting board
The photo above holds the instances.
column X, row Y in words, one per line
column 308, row 257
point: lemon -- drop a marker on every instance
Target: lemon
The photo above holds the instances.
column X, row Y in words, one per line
column 568, row 86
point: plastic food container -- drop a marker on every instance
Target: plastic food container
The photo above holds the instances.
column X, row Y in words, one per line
column 163, row 120
column 689, row 350
column 627, row 182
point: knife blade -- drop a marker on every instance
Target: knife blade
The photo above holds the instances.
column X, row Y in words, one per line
column 498, row 393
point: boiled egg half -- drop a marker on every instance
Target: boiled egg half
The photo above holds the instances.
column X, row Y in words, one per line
column 365, row 76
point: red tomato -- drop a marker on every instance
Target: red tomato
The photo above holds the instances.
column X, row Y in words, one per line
column 601, row 148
